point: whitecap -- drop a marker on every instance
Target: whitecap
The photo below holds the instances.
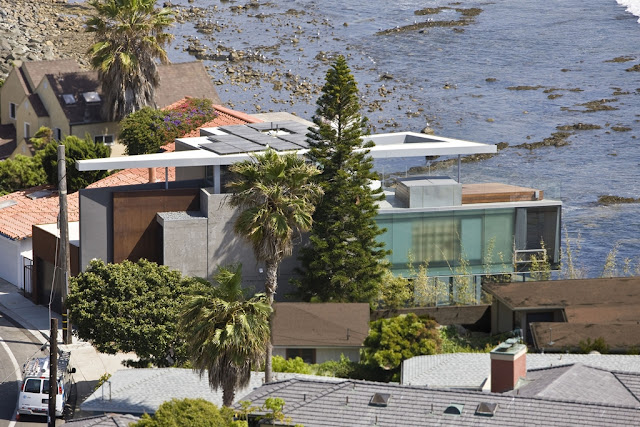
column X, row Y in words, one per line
column 633, row 6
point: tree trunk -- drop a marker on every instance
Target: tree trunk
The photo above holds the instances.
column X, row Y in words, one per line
column 228, row 394
column 270, row 286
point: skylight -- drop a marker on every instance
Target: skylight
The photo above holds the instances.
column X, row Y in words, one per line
column 487, row 409
column 39, row 194
column 91, row 97
column 380, row 399
column 7, row 204
column 454, row 409
column 69, row 98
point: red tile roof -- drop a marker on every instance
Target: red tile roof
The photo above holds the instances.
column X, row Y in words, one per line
column 16, row 220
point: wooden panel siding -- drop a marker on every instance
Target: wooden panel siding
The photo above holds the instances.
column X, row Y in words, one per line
column 496, row 192
column 136, row 232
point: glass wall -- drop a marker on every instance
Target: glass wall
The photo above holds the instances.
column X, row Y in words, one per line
column 473, row 240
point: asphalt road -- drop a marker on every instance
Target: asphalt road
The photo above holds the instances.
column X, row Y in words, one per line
column 16, row 346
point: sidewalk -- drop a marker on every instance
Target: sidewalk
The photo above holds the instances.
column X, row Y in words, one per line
column 89, row 363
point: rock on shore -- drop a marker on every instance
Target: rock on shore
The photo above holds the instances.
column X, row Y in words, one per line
column 32, row 30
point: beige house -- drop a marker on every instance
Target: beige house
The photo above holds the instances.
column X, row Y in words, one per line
column 59, row 95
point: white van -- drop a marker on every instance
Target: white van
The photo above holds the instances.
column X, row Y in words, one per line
column 34, row 391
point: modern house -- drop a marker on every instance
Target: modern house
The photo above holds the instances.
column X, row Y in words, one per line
column 566, row 395
column 557, row 315
column 319, row 332
column 59, row 95
column 34, row 211
column 432, row 218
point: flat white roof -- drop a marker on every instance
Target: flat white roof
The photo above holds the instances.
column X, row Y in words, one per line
column 389, row 145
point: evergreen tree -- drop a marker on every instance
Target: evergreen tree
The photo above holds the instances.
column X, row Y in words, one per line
column 344, row 261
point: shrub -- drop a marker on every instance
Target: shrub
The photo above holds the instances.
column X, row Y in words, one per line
column 188, row 412
column 146, row 130
column 297, row 365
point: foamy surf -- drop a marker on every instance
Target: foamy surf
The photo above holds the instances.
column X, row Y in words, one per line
column 633, row 6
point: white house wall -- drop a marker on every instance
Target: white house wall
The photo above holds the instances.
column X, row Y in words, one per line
column 11, row 262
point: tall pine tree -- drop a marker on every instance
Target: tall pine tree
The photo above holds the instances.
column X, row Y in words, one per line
column 343, row 261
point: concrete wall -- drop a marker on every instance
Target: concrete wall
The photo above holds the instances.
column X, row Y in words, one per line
column 188, row 173
column 11, row 262
column 225, row 247
column 325, row 354
column 184, row 242
column 11, row 91
column 96, row 214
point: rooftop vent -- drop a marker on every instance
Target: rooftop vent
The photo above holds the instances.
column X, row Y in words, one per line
column 380, row 399
column 454, row 409
column 39, row 194
column 7, row 203
column 91, row 97
column 69, row 99
column 486, row 409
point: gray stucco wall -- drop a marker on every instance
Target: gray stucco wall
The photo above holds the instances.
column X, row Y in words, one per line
column 225, row 247
column 96, row 218
column 184, row 242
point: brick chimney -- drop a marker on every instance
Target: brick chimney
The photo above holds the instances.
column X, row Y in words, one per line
column 508, row 365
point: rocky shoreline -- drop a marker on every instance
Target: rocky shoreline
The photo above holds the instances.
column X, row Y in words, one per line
column 41, row 30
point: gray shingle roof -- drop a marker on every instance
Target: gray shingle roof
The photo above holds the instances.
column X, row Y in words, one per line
column 314, row 403
column 579, row 383
column 470, row 370
column 108, row 420
column 138, row 391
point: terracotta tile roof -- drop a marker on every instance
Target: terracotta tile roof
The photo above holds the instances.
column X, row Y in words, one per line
column 132, row 177
column 17, row 218
column 225, row 117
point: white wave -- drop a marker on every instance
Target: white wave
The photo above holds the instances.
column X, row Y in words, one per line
column 633, row 6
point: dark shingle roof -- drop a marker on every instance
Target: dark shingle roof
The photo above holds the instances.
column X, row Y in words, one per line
column 328, row 324
column 313, row 403
column 37, row 105
column 36, row 70
column 176, row 82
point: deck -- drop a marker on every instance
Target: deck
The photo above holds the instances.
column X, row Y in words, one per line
column 494, row 192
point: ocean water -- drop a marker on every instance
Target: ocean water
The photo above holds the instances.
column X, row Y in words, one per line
column 459, row 80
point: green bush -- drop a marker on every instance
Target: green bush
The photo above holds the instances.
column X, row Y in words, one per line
column 597, row 344
column 143, row 132
column 19, row 173
column 297, row 365
column 75, row 149
column 188, row 412
column 390, row 341
column 146, row 130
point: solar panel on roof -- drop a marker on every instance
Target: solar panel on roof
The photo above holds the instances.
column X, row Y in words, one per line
column 283, row 146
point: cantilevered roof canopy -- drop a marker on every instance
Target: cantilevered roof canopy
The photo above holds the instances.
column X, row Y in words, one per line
column 388, row 145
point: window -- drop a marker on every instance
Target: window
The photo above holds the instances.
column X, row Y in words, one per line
column 32, row 386
column 27, row 130
column 58, row 134
column 308, row 355
column 12, row 110
column 105, row 139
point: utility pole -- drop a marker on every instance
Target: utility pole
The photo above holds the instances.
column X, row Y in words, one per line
column 64, row 243
column 53, row 372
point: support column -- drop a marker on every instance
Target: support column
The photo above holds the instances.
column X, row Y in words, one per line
column 216, row 179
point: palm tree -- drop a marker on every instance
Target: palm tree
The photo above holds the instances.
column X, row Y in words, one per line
column 226, row 333
column 129, row 38
column 278, row 199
